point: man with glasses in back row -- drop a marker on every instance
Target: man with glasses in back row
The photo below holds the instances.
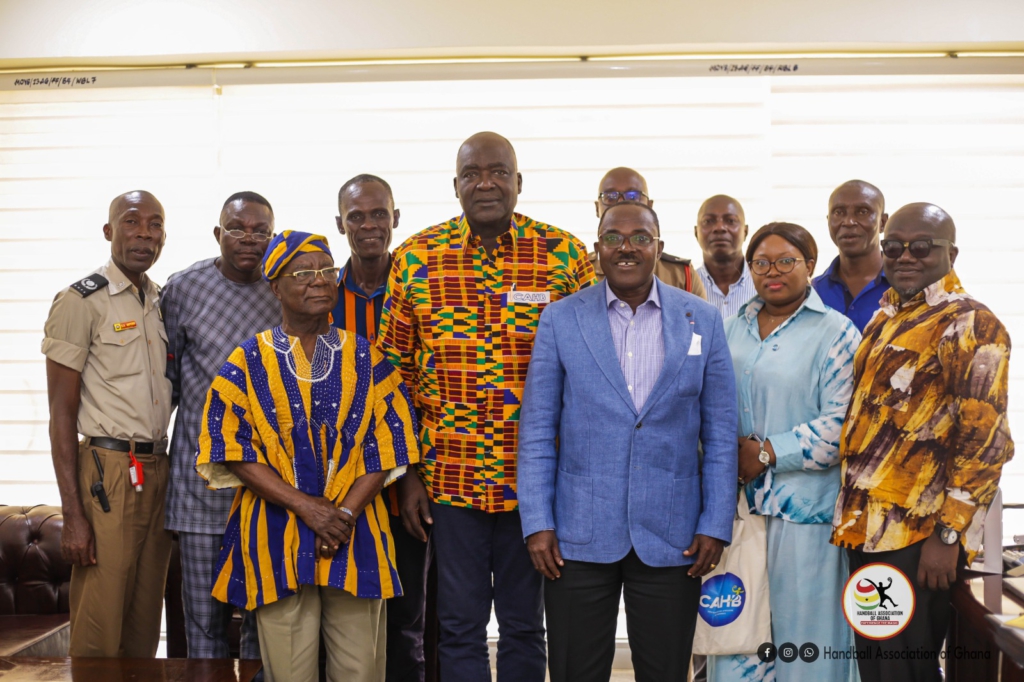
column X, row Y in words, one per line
column 209, row 308
column 626, row 184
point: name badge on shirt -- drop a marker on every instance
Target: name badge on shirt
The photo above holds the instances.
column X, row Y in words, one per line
column 694, row 345
column 124, row 326
column 533, row 297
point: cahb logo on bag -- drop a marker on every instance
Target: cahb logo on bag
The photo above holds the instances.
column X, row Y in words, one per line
column 878, row 601
column 721, row 599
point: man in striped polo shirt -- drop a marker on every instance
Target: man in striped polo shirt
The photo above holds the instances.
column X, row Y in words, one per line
column 367, row 217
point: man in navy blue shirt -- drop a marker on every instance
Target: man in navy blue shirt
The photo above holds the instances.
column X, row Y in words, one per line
column 854, row 282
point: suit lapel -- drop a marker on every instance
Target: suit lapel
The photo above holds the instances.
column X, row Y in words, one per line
column 676, row 332
column 592, row 316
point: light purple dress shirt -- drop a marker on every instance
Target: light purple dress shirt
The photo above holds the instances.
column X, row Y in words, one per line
column 638, row 341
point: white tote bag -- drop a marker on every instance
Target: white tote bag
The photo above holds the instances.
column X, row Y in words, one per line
column 734, row 615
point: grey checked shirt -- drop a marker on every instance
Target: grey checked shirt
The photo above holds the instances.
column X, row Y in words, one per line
column 639, row 343
column 207, row 316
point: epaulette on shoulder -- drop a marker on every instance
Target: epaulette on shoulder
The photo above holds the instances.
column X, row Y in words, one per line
column 674, row 259
column 90, row 285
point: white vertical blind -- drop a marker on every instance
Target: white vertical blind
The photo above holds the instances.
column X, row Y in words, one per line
column 778, row 144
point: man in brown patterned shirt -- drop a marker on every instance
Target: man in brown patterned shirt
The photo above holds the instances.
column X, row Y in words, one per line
column 926, row 435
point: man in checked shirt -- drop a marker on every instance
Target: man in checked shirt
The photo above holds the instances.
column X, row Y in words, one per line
column 209, row 308
column 464, row 298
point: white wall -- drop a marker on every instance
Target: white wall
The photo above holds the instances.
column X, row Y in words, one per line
column 70, row 31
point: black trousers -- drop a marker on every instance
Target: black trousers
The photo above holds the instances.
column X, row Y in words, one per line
column 582, row 608
column 925, row 633
column 406, row 614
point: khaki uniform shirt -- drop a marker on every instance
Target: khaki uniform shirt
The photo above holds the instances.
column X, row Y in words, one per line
column 670, row 270
column 120, row 347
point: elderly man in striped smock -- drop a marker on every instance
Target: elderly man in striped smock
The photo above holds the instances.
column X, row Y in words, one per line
column 309, row 422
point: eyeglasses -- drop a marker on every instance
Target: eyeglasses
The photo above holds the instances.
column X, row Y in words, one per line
column 760, row 266
column 240, row 234
column 609, row 198
column 919, row 248
column 309, row 276
column 613, row 240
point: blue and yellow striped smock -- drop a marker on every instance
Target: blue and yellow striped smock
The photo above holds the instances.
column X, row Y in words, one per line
column 319, row 425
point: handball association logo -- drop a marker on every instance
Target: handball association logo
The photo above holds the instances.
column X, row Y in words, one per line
column 721, row 599
column 878, row 601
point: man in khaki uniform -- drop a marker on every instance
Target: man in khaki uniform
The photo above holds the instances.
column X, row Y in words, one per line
column 106, row 355
column 625, row 184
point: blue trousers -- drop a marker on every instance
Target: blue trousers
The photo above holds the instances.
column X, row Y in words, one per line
column 482, row 559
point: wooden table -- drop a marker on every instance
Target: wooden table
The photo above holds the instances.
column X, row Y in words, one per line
column 35, row 635
column 22, row 669
column 980, row 647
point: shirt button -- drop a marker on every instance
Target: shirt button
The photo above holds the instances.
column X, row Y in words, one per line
column 622, row 305
column 746, row 409
column 156, row 402
column 631, row 323
column 630, row 388
column 630, row 354
column 746, row 371
column 149, row 342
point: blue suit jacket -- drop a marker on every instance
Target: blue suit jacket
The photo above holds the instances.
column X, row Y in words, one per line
column 606, row 477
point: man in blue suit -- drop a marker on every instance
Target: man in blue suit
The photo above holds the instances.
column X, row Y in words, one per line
column 626, row 378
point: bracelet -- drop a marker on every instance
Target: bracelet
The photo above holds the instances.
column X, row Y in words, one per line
column 350, row 524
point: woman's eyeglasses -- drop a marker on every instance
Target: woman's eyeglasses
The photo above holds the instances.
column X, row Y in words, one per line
column 919, row 248
column 760, row 266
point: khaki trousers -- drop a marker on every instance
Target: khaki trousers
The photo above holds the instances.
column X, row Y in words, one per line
column 116, row 604
column 354, row 632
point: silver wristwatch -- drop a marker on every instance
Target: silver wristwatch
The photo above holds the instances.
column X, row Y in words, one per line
column 947, row 535
column 763, row 456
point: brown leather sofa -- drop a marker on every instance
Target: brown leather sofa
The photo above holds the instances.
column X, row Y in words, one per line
column 34, row 579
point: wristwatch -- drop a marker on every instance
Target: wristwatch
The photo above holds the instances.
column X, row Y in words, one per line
column 763, row 456
column 947, row 535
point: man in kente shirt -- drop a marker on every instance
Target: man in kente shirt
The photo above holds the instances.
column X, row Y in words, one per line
column 310, row 422
column 461, row 313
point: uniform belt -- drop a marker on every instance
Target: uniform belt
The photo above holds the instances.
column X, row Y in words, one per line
column 125, row 446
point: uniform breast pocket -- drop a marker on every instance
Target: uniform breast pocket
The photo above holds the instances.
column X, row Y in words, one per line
column 124, row 363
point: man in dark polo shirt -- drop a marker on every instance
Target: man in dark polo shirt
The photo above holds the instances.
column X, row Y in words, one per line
column 854, row 282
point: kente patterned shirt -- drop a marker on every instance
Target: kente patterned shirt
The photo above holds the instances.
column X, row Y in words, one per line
column 793, row 388
column 927, row 433
column 459, row 323
column 319, row 425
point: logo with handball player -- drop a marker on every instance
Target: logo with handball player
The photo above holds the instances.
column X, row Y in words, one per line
column 878, row 601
